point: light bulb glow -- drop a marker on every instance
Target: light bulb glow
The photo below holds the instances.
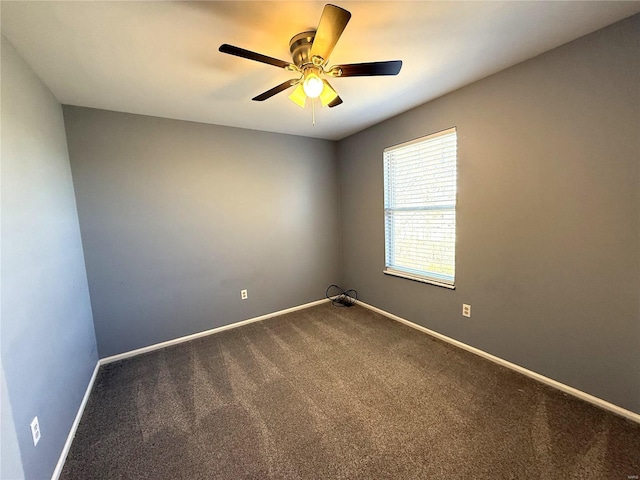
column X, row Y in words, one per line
column 312, row 84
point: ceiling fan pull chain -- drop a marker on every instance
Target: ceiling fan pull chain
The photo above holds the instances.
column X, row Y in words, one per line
column 313, row 111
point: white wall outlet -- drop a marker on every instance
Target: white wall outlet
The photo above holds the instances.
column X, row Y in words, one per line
column 243, row 294
column 466, row 310
column 35, row 431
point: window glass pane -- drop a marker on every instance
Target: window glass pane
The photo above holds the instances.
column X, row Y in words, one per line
column 420, row 199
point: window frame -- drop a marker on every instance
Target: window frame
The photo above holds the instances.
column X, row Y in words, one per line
column 424, row 276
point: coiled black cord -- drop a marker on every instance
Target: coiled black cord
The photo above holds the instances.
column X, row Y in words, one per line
column 340, row 297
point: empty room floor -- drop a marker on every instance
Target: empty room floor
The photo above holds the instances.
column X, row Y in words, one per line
column 346, row 393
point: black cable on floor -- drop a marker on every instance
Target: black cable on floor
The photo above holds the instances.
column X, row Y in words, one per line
column 340, row 297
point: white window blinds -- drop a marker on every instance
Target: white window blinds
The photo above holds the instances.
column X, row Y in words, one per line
column 420, row 208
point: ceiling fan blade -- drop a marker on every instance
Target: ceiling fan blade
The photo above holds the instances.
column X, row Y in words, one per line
column 391, row 67
column 332, row 23
column 280, row 88
column 336, row 102
column 258, row 57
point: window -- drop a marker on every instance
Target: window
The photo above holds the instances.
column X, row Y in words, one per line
column 420, row 208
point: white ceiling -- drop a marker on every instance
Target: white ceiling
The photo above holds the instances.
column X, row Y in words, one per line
column 161, row 58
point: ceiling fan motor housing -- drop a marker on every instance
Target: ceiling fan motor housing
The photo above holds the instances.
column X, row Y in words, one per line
column 300, row 47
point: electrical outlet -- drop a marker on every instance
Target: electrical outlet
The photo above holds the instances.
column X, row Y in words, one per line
column 466, row 310
column 35, row 431
column 243, row 294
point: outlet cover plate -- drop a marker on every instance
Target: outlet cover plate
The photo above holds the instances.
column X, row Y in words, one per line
column 35, row 431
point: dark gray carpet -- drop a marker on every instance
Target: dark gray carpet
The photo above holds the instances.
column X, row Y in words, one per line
column 338, row 393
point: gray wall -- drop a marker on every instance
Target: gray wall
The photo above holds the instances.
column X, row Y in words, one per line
column 548, row 227
column 10, row 461
column 178, row 217
column 47, row 338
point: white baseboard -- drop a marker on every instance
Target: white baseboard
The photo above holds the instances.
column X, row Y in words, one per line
column 74, row 426
column 536, row 376
column 133, row 353
column 623, row 412
column 150, row 348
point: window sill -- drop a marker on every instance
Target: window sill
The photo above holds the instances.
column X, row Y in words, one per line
column 395, row 273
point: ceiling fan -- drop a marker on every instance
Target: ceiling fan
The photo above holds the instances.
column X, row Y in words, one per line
column 310, row 52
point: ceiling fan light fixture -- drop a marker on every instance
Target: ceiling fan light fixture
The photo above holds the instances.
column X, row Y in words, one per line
column 298, row 96
column 313, row 84
column 328, row 94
